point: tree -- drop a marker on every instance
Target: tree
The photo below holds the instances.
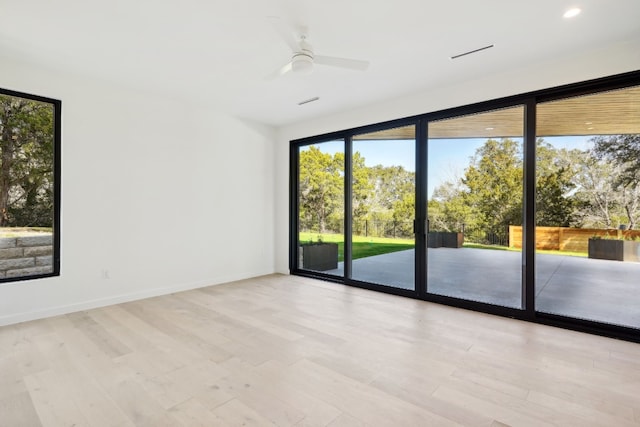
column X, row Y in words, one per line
column 320, row 187
column 362, row 189
column 379, row 194
column 599, row 197
column 623, row 151
column 391, row 192
column 494, row 185
column 448, row 208
column 391, row 183
column 26, row 162
column 629, row 199
column 555, row 171
column 403, row 214
column 594, row 195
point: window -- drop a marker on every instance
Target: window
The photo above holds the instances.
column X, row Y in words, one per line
column 588, row 207
column 321, row 207
column 383, row 207
column 475, row 177
column 29, row 186
column 527, row 206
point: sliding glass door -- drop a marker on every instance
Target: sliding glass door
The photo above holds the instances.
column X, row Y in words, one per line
column 320, row 203
column 475, row 192
column 528, row 206
column 588, row 207
column 383, row 207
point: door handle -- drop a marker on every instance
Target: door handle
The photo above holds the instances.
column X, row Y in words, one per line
column 426, row 226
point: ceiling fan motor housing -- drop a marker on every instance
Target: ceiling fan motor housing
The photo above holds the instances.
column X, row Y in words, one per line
column 302, row 63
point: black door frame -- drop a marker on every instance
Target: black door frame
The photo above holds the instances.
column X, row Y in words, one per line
column 530, row 101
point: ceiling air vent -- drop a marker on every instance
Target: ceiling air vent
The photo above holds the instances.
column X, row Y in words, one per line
column 472, row 51
column 315, row 98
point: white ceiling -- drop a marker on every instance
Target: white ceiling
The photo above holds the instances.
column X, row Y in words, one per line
column 218, row 52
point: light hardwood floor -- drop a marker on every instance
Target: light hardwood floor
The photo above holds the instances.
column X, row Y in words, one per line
column 292, row 351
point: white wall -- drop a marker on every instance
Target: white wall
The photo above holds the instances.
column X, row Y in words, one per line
column 615, row 59
column 169, row 196
column 163, row 195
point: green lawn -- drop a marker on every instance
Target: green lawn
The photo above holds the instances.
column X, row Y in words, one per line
column 539, row 251
column 363, row 247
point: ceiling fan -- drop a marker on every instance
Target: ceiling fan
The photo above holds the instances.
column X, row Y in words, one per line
column 303, row 58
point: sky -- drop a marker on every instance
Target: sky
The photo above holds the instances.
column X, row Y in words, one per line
column 448, row 158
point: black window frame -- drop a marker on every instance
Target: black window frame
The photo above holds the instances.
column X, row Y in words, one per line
column 57, row 184
column 530, row 100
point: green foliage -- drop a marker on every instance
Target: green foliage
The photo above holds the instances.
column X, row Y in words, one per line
column 362, row 188
column 595, row 197
column 494, row 186
column 390, row 184
column 554, row 183
column 320, row 187
column 607, row 194
column 624, row 150
column 26, row 162
column 599, row 188
column 448, row 209
column 403, row 214
column 383, row 199
column 488, row 198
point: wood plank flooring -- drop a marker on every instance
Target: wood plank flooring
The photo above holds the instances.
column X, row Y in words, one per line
column 290, row 351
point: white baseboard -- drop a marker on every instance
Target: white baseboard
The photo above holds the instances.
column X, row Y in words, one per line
column 118, row 299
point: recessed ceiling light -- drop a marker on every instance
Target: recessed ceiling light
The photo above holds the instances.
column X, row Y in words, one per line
column 572, row 12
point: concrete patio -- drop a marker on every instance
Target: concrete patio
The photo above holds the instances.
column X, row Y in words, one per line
column 592, row 289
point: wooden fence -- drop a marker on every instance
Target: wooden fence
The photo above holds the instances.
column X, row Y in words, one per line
column 566, row 238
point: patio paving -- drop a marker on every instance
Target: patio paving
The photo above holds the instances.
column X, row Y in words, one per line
column 593, row 289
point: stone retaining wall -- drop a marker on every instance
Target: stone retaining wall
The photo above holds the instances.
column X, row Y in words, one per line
column 26, row 256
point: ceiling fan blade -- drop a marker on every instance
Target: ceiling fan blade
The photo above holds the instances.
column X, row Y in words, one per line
column 352, row 64
column 285, row 32
column 280, row 72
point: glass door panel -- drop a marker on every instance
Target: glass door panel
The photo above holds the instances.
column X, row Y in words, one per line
column 383, row 207
column 474, row 204
column 588, row 207
column 321, row 207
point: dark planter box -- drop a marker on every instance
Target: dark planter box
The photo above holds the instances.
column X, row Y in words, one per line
column 452, row 240
column 616, row 250
column 434, row 239
column 445, row 239
column 320, row 256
